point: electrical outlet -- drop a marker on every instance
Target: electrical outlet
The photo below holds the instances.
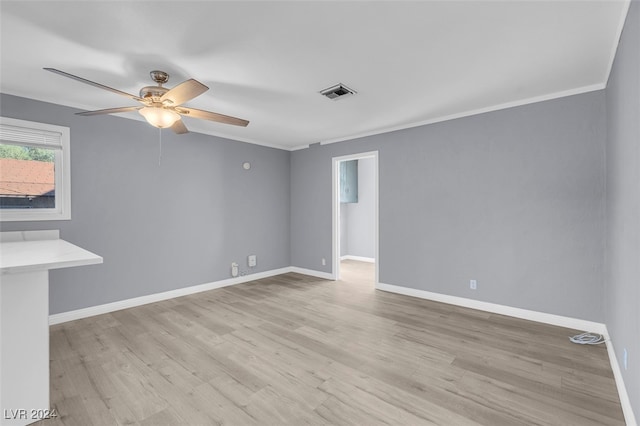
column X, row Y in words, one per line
column 324, row 261
column 473, row 284
column 234, row 269
column 252, row 261
column 625, row 358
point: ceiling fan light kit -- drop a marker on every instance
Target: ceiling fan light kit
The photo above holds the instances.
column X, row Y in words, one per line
column 159, row 117
column 160, row 105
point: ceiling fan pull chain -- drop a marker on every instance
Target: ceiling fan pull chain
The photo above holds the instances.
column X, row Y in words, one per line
column 159, row 147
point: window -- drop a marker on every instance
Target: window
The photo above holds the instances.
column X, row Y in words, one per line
column 349, row 181
column 34, row 171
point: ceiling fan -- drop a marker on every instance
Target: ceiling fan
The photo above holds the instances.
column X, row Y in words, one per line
column 161, row 107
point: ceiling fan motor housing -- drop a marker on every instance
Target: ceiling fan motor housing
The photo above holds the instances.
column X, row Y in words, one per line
column 153, row 92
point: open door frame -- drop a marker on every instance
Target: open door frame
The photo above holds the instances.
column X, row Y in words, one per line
column 335, row 174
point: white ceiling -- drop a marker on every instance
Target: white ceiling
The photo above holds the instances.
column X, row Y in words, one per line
column 411, row 63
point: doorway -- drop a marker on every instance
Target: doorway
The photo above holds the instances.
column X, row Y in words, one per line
column 362, row 217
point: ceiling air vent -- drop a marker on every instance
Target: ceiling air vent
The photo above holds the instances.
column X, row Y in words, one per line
column 338, row 91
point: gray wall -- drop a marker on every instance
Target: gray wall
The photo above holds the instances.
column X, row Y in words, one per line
column 622, row 282
column 160, row 227
column 360, row 218
column 512, row 198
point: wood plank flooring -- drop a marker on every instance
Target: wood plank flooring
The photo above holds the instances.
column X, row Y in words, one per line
column 296, row 350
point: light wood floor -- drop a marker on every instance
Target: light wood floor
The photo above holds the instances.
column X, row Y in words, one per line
column 298, row 350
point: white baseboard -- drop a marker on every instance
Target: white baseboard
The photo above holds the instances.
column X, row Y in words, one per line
column 358, row 258
column 312, row 272
column 157, row 297
column 562, row 321
column 627, row 409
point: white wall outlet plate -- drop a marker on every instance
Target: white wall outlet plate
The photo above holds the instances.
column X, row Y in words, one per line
column 252, row 260
column 473, row 284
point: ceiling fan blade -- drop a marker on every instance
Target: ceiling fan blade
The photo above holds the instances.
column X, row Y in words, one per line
column 211, row 116
column 109, row 111
column 179, row 128
column 93, row 83
column 184, row 92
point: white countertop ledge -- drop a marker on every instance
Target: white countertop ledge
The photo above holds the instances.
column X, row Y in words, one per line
column 39, row 255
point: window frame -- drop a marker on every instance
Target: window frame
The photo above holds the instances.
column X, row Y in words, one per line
column 62, row 168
